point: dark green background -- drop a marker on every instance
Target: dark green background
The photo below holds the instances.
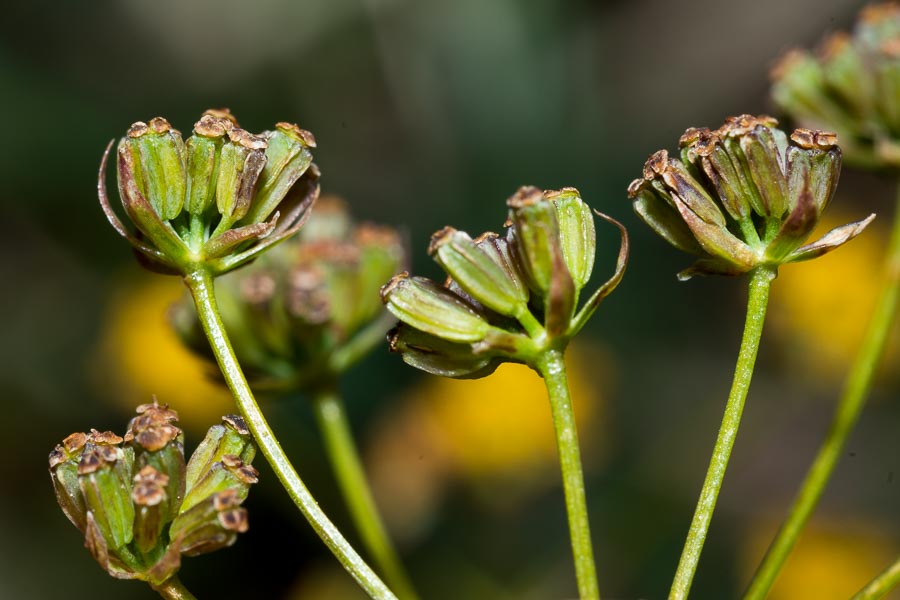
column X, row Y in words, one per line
column 426, row 113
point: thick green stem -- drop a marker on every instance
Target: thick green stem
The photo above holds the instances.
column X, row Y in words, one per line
column 552, row 368
column 760, row 282
column 332, row 418
column 173, row 589
column 882, row 585
column 200, row 284
column 849, row 407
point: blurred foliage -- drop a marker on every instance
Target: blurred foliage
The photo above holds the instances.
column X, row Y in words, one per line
column 427, row 114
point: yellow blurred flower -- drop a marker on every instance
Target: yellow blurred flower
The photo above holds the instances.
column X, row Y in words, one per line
column 139, row 355
column 832, row 561
column 501, row 425
column 819, row 309
column 495, row 432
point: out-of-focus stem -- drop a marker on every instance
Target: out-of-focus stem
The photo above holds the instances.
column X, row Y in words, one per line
column 881, row 586
column 332, row 419
column 849, row 407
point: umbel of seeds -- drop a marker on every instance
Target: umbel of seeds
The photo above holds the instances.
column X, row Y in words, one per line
column 214, row 201
column 139, row 506
column 743, row 196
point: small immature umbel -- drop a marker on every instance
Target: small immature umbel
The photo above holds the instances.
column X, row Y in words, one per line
column 743, row 196
column 302, row 313
column 506, row 298
column 214, row 201
column 850, row 84
column 139, row 506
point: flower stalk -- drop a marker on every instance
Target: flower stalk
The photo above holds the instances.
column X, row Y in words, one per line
column 200, row 285
column 553, row 369
column 173, row 589
column 331, row 416
column 849, row 407
column 760, row 282
column 882, row 585
column 513, row 297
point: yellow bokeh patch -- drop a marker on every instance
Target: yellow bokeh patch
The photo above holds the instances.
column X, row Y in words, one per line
column 502, row 423
column 139, row 355
column 819, row 309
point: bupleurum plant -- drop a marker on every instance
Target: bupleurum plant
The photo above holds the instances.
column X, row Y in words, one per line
column 204, row 207
column 744, row 198
column 301, row 316
column 141, row 508
column 513, row 297
column 850, row 85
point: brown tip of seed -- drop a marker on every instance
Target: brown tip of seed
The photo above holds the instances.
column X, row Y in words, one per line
column 370, row 234
column 159, row 125
column 246, row 139
column 656, row 164
column 57, row 456
column 105, row 438
column 875, row 13
column 392, row 339
column 487, row 236
column 814, row 139
column 635, row 186
column 388, row 288
column 786, row 62
column 212, row 127
column 234, row 520
column 744, row 124
column 526, row 195
column 95, row 457
column 304, row 136
column 226, row 499
column 157, row 413
column 832, row 45
column 701, row 140
column 149, row 487
column 439, row 238
column 138, row 129
column 248, row 474
column 237, row 423
column 891, row 47
column 156, row 437
column 257, row 288
column 232, row 461
column 90, row 462
column 550, row 194
column 74, row 442
column 221, row 113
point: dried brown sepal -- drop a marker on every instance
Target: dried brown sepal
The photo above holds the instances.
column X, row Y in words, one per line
column 236, row 423
column 814, row 139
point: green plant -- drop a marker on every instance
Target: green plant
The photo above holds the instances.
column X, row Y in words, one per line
column 291, row 300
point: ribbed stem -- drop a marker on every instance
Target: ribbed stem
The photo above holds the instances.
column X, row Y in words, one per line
column 331, row 416
column 760, row 282
column 553, row 370
column 201, row 287
column 173, row 589
column 882, row 585
column 849, row 407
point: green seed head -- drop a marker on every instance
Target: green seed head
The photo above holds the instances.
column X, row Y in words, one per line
column 215, row 201
column 850, row 85
column 743, row 196
column 127, row 494
column 307, row 310
column 506, row 298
